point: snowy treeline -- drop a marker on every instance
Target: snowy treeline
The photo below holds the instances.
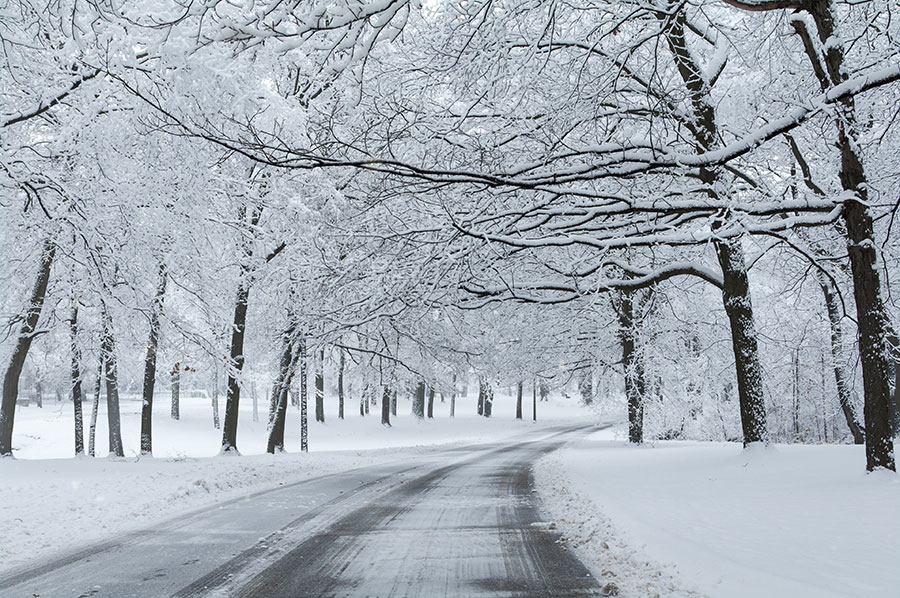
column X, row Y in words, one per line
column 686, row 206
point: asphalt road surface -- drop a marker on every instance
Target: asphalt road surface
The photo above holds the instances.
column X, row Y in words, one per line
column 459, row 522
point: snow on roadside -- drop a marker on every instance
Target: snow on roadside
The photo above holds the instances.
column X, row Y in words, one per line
column 792, row 520
column 620, row 570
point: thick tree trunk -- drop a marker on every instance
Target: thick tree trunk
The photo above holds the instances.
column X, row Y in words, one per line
column 150, row 365
column 304, row 418
column 108, row 349
column 95, row 407
column 488, row 399
column 280, row 394
column 320, row 386
column 419, row 401
column 736, row 291
column 519, row 400
column 233, row 396
column 175, row 384
column 386, row 407
column 481, row 395
column 861, row 246
column 632, row 367
column 23, row 345
column 738, row 306
column 394, row 403
column 841, row 376
column 340, row 384
column 430, row 413
column 76, row 381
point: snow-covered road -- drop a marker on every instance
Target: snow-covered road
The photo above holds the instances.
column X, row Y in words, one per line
column 458, row 522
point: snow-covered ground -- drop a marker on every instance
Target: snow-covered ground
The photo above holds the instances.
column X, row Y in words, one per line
column 53, row 502
column 679, row 519
column 671, row 519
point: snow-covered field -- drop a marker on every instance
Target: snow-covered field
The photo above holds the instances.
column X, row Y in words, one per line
column 53, row 501
column 691, row 519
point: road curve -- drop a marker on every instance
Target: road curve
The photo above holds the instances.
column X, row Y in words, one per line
column 459, row 522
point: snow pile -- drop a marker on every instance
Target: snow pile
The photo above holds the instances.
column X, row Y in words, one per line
column 796, row 520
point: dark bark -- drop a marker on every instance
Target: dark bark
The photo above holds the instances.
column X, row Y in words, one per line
column 386, row 406
column 340, row 384
column 23, row 345
column 233, row 396
column 419, row 401
column 480, row 396
column 394, row 402
column 519, row 400
column 320, row 387
column 841, row 376
column 736, row 290
column 280, row 393
column 175, row 376
column 150, row 365
column 76, row 381
column 430, row 413
column 108, row 349
column 39, row 394
column 632, row 366
column 488, row 399
column 861, row 246
column 95, row 407
column 736, row 297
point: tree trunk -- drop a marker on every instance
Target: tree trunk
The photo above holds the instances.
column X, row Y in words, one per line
column 150, row 365
column 796, row 407
column 861, row 247
column 340, row 384
column 108, row 349
column 280, row 394
column 586, row 386
column 488, row 399
column 519, row 400
column 233, row 396
column 386, row 407
column 481, row 394
column 214, row 398
column 76, row 382
column 736, row 298
column 841, row 376
column 320, row 386
column 430, row 402
column 175, row 375
column 23, row 345
column 632, row 367
column 736, row 291
column 419, row 401
column 534, row 401
column 95, row 407
column 304, row 418
column 394, row 402
column 39, row 394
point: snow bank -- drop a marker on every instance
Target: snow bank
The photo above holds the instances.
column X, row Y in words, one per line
column 795, row 520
